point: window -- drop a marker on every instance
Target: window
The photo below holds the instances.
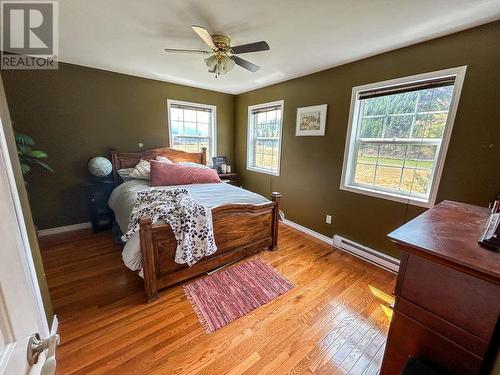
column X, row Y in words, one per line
column 192, row 126
column 264, row 137
column 398, row 135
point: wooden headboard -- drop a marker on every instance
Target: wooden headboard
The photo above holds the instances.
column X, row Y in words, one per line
column 130, row 159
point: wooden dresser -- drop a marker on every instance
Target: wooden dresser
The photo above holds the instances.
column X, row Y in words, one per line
column 447, row 293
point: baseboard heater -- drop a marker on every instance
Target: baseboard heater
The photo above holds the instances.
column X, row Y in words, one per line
column 372, row 256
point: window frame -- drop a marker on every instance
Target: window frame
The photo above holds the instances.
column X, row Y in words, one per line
column 250, row 137
column 349, row 163
column 212, row 139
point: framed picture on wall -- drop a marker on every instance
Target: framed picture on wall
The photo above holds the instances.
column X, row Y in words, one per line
column 311, row 121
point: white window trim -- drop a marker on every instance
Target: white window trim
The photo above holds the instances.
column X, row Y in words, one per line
column 213, row 130
column 347, row 167
column 250, row 167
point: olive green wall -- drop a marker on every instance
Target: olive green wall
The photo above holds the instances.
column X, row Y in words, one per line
column 311, row 167
column 25, row 205
column 75, row 113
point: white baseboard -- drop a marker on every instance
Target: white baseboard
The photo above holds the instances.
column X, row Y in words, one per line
column 66, row 228
column 308, row 231
column 365, row 253
column 55, row 325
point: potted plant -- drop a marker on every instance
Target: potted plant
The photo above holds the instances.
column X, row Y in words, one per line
column 27, row 156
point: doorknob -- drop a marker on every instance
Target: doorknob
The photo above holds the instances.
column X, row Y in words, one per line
column 49, row 367
column 36, row 346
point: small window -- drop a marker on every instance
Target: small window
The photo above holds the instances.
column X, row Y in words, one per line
column 192, row 126
column 264, row 137
column 398, row 135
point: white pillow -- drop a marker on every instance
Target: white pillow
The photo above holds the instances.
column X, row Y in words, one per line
column 164, row 159
column 124, row 173
column 193, row 164
column 142, row 170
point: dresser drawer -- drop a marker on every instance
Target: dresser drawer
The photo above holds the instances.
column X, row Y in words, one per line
column 463, row 300
column 442, row 327
column 408, row 338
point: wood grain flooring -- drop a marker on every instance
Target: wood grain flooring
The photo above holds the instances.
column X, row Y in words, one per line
column 334, row 321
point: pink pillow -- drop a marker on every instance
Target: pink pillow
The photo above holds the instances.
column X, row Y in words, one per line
column 163, row 174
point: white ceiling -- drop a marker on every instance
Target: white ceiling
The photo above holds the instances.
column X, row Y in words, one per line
column 305, row 36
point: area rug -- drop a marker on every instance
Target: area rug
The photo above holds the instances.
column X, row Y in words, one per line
column 226, row 295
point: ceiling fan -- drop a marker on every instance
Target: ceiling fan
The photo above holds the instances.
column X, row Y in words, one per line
column 223, row 56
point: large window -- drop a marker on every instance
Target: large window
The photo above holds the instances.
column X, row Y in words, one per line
column 264, row 137
column 192, row 126
column 398, row 135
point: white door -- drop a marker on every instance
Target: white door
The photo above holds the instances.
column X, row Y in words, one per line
column 21, row 308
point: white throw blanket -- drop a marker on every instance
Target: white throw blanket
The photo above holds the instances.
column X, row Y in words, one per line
column 190, row 221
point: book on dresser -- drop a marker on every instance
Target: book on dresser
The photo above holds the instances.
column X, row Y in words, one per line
column 447, row 293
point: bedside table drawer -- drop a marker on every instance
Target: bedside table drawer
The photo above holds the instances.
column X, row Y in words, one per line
column 101, row 216
column 452, row 295
column 229, row 178
column 98, row 196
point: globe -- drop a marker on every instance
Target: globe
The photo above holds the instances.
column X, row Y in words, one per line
column 99, row 166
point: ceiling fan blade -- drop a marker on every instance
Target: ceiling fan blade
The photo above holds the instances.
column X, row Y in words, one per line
column 245, row 64
column 178, row 50
column 251, row 47
column 204, row 35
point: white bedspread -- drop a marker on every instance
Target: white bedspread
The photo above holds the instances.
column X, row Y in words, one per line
column 209, row 195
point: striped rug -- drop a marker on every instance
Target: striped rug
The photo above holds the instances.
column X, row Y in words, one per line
column 226, row 295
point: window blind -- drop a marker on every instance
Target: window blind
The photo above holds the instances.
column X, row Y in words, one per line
column 192, row 108
column 266, row 109
column 407, row 87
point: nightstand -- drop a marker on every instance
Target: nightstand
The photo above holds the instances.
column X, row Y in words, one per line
column 229, row 178
column 101, row 216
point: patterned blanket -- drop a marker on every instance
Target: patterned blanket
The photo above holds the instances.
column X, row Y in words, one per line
column 190, row 222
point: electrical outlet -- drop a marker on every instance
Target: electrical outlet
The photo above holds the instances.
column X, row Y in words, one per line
column 328, row 219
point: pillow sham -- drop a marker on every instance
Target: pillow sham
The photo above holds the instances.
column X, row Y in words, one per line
column 163, row 174
column 124, row 173
column 142, row 170
column 192, row 164
column 164, row 159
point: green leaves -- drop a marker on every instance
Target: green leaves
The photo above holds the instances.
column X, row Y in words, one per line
column 23, row 139
column 43, row 165
column 25, row 168
column 37, row 154
column 27, row 156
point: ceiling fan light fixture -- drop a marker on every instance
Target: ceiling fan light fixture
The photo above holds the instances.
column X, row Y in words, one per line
column 224, row 56
column 228, row 63
column 211, row 62
column 219, row 65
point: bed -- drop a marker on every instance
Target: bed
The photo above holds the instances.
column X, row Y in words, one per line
column 240, row 229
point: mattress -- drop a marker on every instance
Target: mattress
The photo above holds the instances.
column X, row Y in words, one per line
column 123, row 198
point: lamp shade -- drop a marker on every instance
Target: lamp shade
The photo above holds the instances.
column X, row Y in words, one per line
column 99, row 166
column 219, row 65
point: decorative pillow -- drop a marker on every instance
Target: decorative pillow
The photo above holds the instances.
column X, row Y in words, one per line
column 192, row 164
column 163, row 174
column 164, row 159
column 141, row 170
column 124, row 173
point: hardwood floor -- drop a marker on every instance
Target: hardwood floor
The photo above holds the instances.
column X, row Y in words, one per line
column 335, row 320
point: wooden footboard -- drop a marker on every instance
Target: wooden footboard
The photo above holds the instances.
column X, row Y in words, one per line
column 239, row 229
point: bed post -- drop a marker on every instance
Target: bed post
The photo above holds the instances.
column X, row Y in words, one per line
column 115, row 164
column 148, row 259
column 275, row 197
column 204, row 155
